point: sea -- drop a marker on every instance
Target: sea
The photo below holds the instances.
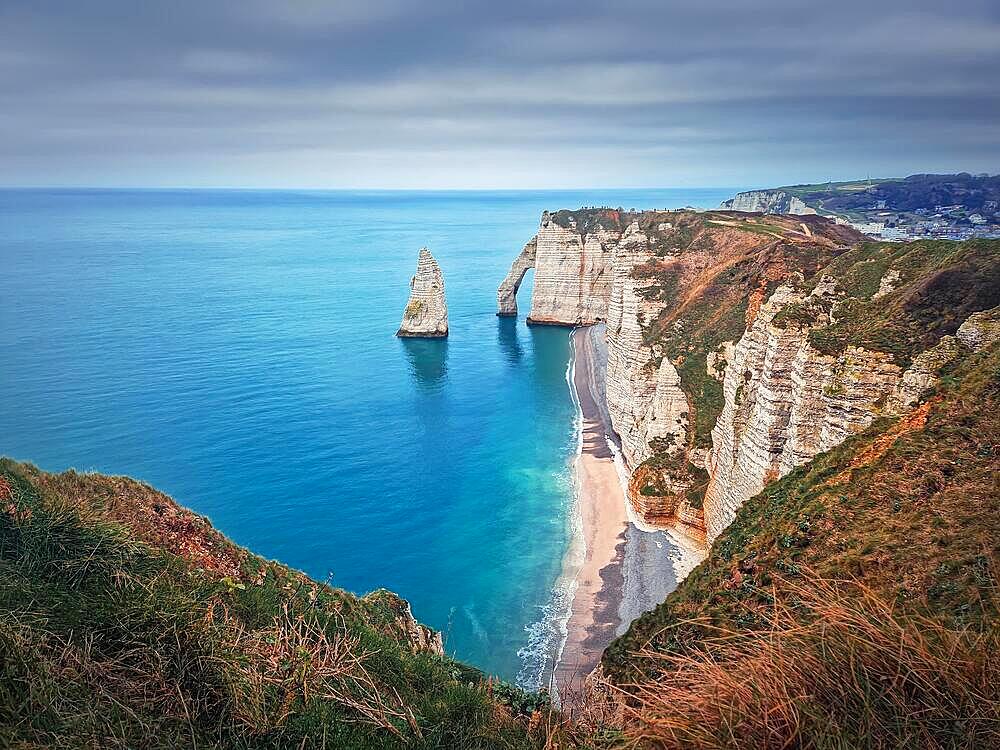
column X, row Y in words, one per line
column 236, row 350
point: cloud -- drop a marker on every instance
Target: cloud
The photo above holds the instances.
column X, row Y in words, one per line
column 384, row 93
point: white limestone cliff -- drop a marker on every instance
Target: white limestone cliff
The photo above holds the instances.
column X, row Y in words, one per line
column 645, row 400
column 784, row 401
column 426, row 313
column 767, row 202
column 572, row 275
column 507, row 292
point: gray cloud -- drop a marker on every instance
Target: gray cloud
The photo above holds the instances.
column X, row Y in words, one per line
column 386, row 93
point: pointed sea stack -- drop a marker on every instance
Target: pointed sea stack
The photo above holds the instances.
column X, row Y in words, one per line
column 426, row 314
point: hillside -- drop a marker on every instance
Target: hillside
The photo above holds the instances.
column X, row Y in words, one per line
column 128, row 621
column 919, row 191
column 766, row 642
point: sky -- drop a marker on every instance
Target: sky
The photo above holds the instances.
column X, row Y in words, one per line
column 430, row 94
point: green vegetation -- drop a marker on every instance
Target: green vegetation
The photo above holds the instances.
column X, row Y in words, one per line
column 127, row 621
column 591, row 219
column 900, row 194
column 708, row 289
column 940, row 284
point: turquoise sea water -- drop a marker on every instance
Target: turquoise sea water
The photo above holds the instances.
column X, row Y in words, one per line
column 235, row 349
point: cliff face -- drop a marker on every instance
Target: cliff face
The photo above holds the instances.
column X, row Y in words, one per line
column 741, row 347
column 885, row 544
column 784, row 403
column 767, row 202
column 426, row 313
column 644, row 395
column 572, row 258
column 572, row 272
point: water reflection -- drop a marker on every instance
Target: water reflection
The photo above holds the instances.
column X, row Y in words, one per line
column 508, row 339
column 428, row 360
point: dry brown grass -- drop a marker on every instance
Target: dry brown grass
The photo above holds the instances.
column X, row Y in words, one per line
column 297, row 660
column 838, row 667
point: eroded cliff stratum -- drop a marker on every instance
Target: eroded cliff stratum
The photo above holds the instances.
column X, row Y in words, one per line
column 741, row 346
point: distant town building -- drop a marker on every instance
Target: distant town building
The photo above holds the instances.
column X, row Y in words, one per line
column 894, row 234
column 873, row 228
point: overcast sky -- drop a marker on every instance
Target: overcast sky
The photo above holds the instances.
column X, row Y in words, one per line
column 431, row 94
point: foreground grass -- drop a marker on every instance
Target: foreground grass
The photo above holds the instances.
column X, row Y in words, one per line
column 839, row 668
column 128, row 621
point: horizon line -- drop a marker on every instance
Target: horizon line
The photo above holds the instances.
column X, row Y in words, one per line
column 378, row 189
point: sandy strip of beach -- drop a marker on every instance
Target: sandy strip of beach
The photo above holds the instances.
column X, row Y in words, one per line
column 594, row 617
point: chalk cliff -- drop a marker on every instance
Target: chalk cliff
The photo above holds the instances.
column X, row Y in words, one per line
column 507, row 292
column 767, row 202
column 740, row 347
column 426, row 313
column 644, row 395
column 572, row 259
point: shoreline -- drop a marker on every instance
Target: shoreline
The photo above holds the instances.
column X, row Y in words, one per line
column 616, row 567
column 597, row 570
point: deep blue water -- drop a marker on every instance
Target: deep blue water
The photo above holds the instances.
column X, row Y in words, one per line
column 235, row 349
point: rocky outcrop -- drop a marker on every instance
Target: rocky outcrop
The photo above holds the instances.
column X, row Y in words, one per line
column 784, row 403
column 419, row 637
column 507, row 292
column 426, row 313
column 767, row 202
column 648, row 409
column 981, row 329
column 695, row 300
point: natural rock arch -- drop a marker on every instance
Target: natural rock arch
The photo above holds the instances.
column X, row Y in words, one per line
column 507, row 292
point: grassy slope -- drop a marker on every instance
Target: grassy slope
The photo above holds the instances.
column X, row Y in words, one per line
column 128, row 621
column 910, row 507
